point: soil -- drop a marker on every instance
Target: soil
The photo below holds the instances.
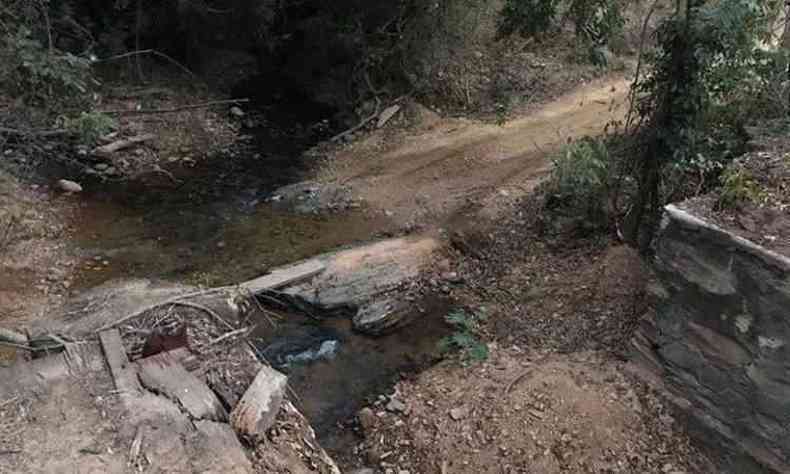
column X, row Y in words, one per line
column 526, row 412
column 764, row 218
column 425, row 176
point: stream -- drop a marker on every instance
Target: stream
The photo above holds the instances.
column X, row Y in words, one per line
column 216, row 229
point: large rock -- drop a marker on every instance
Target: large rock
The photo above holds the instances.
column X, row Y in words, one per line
column 369, row 281
column 719, row 340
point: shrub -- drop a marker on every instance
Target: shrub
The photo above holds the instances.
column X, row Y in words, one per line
column 465, row 337
column 738, row 187
column 89, row 126
column 528, row 18
column 581, row 170
column 39, row 75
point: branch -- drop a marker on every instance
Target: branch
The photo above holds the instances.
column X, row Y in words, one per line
column 176, row 109
column 33, row 133
column 149, row 51
column 632, row 92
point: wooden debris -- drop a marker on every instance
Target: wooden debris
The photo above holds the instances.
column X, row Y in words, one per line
column 159, row 342
column 218, row 447
column 284, row 277
column 258, row 408
column 107, row 151
column 164, row 375
column 124, row 376
column 387, row 114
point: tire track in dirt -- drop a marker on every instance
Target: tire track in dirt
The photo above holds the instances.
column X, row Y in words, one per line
column 429, row 175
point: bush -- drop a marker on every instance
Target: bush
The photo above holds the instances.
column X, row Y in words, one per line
column 528, row 18
column 581, row 171
column 89, row 126
column 738, row 187
column 465, row 338
column 42, row 76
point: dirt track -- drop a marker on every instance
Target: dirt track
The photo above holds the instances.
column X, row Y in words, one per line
column 430, row 174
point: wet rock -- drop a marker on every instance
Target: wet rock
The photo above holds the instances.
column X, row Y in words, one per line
column 380, row 317
column 311, row 198
column 68, row 186
column 360, row 277
column 364, row 470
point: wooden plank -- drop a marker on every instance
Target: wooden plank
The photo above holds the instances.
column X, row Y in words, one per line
column 123, row 375
column 164, row 375
column 258, row 408
column 285, row 276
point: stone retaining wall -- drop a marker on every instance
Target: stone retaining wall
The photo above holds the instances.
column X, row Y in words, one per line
column 718, row 341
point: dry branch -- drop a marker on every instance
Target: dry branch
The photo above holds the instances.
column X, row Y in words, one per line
column 152, row 52
column 176, row 109
column 107, row 150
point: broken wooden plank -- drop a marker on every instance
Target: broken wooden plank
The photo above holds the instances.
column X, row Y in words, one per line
column 217, row 446
column 107, row 150
column 164, row 375
column 284, row 276
column 258, row 408
column 123, row 375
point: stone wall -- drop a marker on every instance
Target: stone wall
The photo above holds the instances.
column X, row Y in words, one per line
column 718, row 341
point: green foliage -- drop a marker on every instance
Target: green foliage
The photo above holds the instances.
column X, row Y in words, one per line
column 465, row 337
column 581, row 170
column 40, row 75
column 89, row 126
column 738, row 187
column 528, row 18
column 706, row 53
column 598, row 21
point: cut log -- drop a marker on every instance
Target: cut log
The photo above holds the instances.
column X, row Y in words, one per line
column 258, row 408
column 164, row 375
column 284, row 277
column 106, row 151
column 123, row 375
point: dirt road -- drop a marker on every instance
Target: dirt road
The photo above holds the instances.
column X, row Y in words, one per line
column 429, row 174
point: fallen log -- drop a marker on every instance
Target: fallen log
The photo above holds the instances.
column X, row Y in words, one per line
column 106, row 151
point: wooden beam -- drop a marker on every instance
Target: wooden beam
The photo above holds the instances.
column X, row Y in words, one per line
column 282, row 277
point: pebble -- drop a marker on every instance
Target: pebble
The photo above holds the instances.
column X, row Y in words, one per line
column 367, row 419
column 396, row 406
column 68, row 186
column 101, row 166
column 236, row 112
column 457, row 414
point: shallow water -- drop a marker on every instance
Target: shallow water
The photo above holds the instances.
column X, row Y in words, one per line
column 215, row 229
